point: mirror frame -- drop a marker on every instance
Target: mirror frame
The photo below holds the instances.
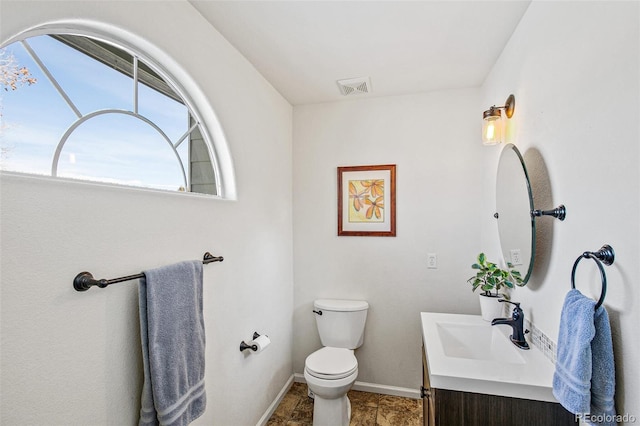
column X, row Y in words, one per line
column 526, row 276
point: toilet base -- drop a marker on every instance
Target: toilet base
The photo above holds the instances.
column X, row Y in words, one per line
column 331, row 412
column 331, row 406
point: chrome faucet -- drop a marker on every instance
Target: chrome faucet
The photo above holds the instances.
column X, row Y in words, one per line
column 517, row 324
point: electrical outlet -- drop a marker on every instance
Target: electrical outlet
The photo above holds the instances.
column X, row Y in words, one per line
column 516, row 257
column 432, row 261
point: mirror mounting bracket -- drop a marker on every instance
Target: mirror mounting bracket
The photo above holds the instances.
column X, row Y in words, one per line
column 559, row 212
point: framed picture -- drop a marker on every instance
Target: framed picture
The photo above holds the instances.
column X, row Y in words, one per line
column 367, row 201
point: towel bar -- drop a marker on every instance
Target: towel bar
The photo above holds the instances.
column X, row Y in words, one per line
column 605, row 255
column 84, row 280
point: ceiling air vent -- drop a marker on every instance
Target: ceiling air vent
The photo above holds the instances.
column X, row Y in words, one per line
column 354, row 86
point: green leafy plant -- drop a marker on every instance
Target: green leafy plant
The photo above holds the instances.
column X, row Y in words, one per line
column 489, row 277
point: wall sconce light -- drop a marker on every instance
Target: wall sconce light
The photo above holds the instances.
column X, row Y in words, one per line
column 492, row 124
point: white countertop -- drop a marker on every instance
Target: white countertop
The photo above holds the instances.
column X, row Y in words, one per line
column 524, row 374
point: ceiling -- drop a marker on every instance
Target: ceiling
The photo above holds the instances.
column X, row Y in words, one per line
column 303, row 47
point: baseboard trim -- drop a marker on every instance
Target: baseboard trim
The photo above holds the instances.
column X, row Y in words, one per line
column 274, row 405
column 386, row 389
column 375, row 388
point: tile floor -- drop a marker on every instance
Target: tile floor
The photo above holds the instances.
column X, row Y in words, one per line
column 367, row 409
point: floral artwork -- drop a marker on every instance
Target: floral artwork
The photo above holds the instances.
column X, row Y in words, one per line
column 366, row 201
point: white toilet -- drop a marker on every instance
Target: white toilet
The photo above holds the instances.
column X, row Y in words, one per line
column 331, row 371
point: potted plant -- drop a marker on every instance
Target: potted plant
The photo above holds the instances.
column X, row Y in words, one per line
column 491, row 279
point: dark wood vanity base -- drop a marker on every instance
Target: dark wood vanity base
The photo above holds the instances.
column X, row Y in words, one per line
column 471, row 409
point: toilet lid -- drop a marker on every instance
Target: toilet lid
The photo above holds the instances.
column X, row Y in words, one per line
column 331, row 363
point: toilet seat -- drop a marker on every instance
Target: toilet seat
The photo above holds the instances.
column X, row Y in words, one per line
column 331, row 363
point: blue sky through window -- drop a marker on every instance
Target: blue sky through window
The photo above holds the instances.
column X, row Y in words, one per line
column 116, row 148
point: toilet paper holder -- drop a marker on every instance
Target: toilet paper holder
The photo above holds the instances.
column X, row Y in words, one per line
column 253, row 347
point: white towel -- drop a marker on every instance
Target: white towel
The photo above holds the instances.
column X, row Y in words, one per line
column 173, row 344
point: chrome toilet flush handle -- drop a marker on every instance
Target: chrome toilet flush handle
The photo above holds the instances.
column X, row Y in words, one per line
column 317, row 312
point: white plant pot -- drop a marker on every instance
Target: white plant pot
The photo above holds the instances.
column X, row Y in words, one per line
column 490, row 307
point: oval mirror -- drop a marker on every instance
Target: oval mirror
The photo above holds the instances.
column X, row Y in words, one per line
column 514, row 203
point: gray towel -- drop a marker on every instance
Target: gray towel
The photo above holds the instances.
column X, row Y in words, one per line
column 173, row 343
column 584, row 380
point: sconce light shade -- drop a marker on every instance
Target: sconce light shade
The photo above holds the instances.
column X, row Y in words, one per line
column 491, row 126
column 492, row 123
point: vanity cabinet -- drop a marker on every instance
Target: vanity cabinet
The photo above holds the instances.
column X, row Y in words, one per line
column 443, row 407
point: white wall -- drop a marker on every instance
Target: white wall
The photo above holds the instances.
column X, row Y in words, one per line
column 433, row 140
column 573, row 67
column 74, row 358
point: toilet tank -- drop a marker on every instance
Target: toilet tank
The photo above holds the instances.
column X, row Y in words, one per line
column 341, row 324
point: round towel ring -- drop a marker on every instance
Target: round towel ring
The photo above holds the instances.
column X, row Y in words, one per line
column 606, row 254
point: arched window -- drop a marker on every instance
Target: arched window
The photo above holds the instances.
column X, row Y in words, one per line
column 100, row 112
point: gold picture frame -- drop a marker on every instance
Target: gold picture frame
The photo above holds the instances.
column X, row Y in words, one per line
column 367, row 201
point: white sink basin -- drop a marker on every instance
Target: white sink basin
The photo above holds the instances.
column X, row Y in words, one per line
column 466, row 353
column 477, row 342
